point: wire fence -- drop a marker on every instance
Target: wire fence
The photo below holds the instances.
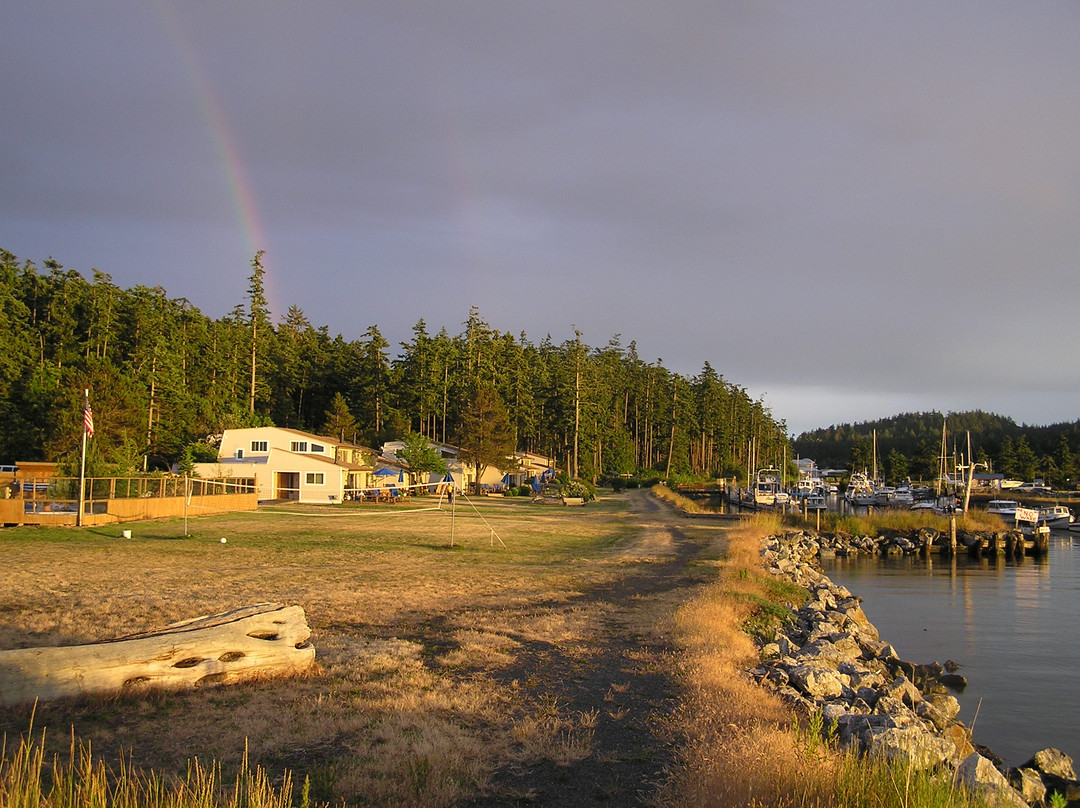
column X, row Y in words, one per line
column 101, row 495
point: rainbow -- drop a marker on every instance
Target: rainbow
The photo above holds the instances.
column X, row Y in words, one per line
column 241, row 192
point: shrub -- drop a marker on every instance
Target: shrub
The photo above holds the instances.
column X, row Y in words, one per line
column 579, row 488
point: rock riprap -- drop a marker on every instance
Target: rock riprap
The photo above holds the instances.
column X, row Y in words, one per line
column 829, row 657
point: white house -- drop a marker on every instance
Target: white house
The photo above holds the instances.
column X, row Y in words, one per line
column 289, row 464
column 526, row 466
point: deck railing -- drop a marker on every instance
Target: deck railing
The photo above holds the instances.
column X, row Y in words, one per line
column 111, row 499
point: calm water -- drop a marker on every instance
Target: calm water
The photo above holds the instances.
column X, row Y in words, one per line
column 1013, row 626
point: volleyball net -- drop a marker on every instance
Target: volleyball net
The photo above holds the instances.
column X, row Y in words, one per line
column 205, row 497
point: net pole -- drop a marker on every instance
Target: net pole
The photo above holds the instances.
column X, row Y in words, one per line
column 82, row 461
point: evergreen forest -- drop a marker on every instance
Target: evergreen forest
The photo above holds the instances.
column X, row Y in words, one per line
column 910, row 445
column 164, row 379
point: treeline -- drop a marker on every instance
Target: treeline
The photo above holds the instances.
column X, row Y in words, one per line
column 910, row 445
column 163, row 377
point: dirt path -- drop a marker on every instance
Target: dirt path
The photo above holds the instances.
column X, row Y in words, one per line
column 626, row 680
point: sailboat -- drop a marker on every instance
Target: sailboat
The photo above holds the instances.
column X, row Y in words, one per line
column 945, row 499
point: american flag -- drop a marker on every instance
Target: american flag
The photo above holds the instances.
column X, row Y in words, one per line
column 88, row 419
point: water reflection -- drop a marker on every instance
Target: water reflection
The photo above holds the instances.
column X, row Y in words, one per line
column 1009, row 622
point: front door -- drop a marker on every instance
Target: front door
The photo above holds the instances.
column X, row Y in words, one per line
column 287, row 485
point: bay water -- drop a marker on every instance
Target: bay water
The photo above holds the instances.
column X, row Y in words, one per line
column 1013, row 626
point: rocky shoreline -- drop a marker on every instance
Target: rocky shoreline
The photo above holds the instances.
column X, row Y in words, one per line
column 828, row 657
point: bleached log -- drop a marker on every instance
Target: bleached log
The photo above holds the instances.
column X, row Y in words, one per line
column 267, row 639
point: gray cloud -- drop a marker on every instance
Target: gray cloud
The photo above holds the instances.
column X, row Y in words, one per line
column 848, row 208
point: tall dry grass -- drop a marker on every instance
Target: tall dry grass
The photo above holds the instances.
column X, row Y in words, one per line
column 29, row 778
column 886, row 519
column 744, row 746
column 684, row 504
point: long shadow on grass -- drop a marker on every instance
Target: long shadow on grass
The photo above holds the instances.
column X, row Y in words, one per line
column 618, row 686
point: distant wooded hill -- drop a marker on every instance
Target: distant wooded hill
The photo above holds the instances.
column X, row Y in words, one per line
column 163, row 376
column 910, row 445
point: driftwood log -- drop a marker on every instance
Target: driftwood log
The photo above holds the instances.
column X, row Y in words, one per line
column 267, row 639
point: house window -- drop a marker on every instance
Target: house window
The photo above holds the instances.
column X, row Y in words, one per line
column 317, row 447
column 239, row 454
column 258, row 446
column 315, row 478
column 298, row 446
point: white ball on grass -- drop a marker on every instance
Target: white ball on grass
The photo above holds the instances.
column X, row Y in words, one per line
column 223, row 540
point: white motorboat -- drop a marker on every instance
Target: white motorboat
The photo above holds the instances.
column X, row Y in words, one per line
column 859, row 490
column 945, row 505
column 903, row 496
column 1003, row 507
column 768, row 490
column 1055, row 516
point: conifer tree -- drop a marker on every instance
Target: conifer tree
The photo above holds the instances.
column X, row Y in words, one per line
column 487, row 438
column 258, row 315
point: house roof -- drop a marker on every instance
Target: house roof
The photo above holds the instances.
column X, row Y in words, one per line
column 354, row 466
column 312, row 436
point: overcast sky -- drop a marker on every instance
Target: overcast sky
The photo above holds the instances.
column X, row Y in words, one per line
column 852, row 209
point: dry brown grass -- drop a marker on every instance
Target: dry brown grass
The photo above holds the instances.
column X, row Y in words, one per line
column 404, row 708
column 684, row 504
column 410, row 704
column 744, row 746
column 898, row 520
column 741, row 749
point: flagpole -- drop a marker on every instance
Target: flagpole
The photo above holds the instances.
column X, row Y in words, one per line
column 82, row 465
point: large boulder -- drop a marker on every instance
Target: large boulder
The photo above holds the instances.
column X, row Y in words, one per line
column 1056, row 772
column 980, row 776
column 1052, row 761
column 1029, row 785
column 921, row 749
column 817, row 681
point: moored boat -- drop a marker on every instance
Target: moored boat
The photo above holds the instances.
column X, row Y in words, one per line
column 903, row 496
column 1056, row 516
column 859, row 490
column 768, row 490
column 1003, row 507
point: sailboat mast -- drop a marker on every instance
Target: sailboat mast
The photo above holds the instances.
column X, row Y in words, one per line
column 875, row 454
column 941, row 461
